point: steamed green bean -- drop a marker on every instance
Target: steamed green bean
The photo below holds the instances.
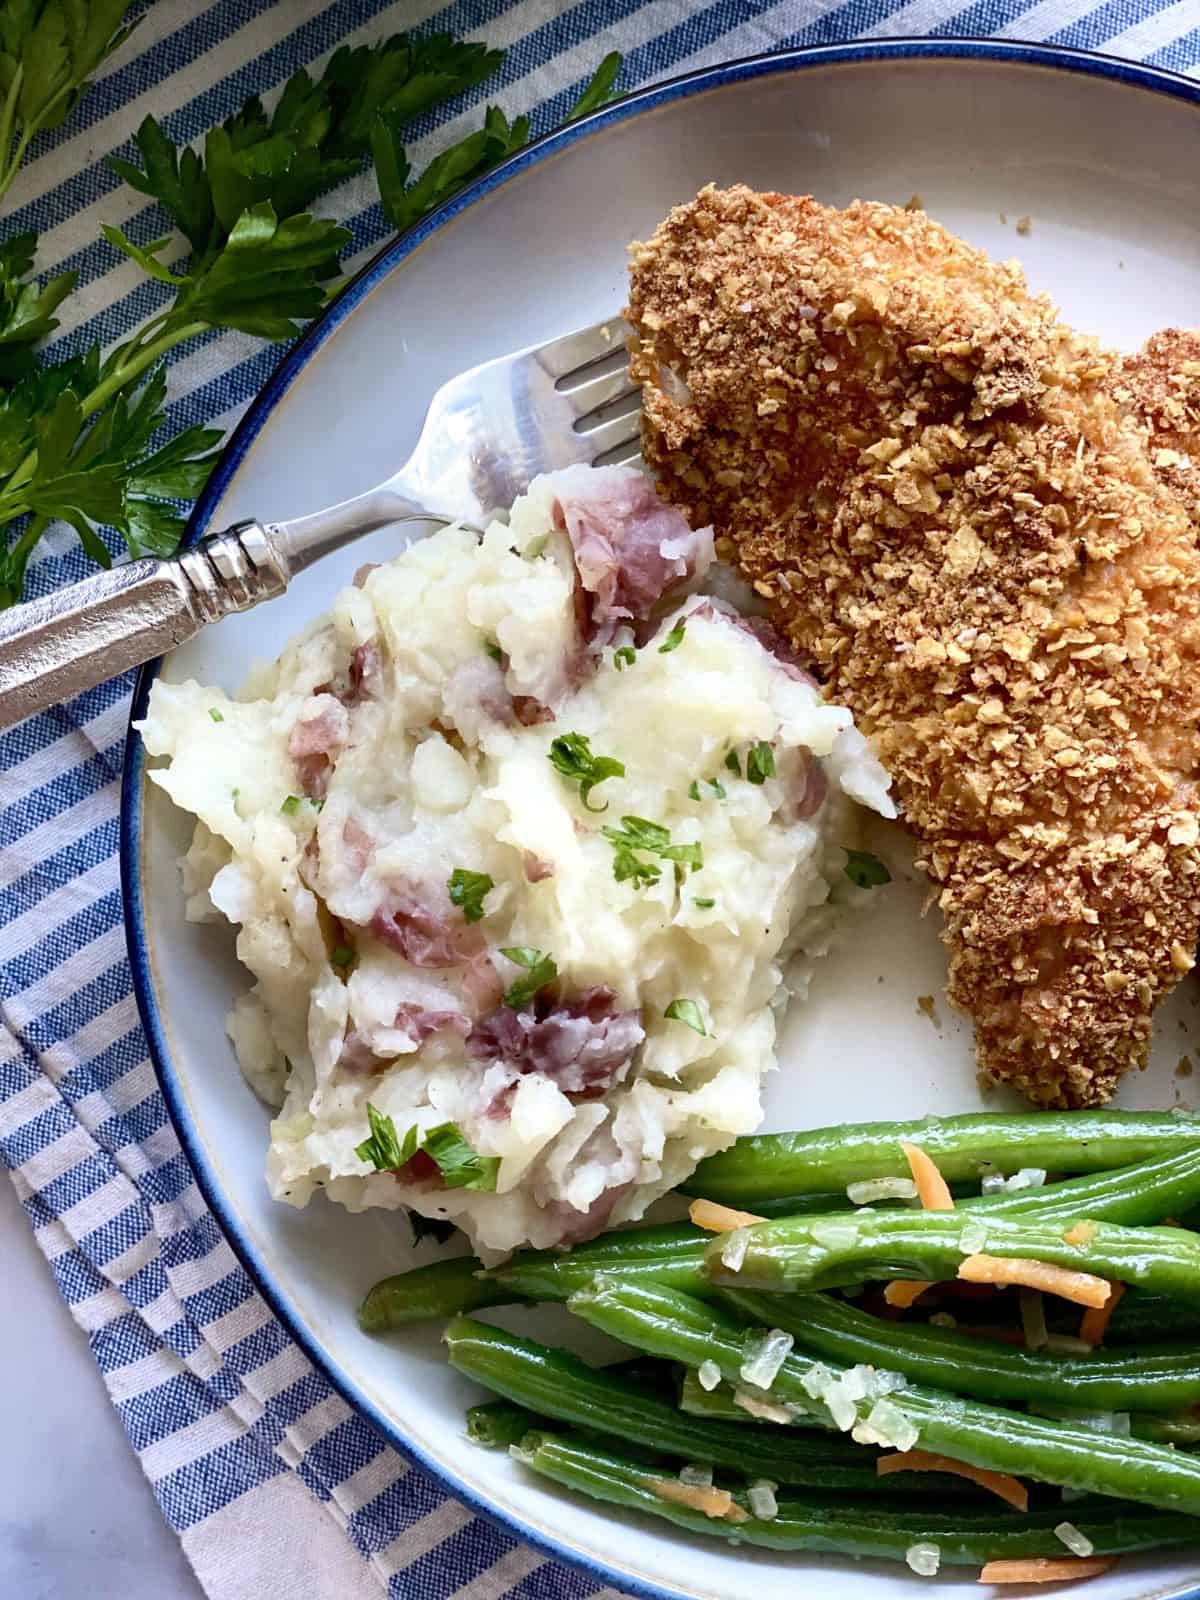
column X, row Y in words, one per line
column 963, row 1537
column 678, row 1327
column 554, row 1383
column 824, row 1253
column 965, row 1147
column 1152, row 1380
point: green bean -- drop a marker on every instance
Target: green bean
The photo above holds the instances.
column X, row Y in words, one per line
column 1183, row 1430
column 498, row 1423
column 1139, row 1318
column 765, row 1165
column 1144, row 1192
column 1180, row 1428
column 963, row 1537
column 441, row 1289
column 555, row 1383
column 823, row 1253
column 671, row 1253
column 678, row 1327
column 1150, row 1380
column 718, row 1404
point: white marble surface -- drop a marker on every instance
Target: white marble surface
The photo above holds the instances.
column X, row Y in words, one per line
column 78, row 1521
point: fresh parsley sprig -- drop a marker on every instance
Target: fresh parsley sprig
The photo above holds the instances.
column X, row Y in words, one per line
column 26, row 307
column 539, row 971
column 687, row 1011
column 461, row 1166
column 77, row 440
column 48, row 51
column 571, row 757
column 468, row 890
column 637, row 837
column 866, row 871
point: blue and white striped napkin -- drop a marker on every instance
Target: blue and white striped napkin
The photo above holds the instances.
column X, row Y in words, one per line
column 274, row 1485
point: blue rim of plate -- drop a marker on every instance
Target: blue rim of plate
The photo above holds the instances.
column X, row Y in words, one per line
column 291, row 365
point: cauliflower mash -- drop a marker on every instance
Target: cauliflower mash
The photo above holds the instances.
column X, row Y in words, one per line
column 518, row 840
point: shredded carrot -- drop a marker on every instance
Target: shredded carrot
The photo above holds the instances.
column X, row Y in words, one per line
column 1041, row 1569
column 934, row 1194
column 1080, row 1233
column 931, row 1186
column 904, row 1291
column 720, row 1219
column 716, row 1503
column 1001, row 1483
column 1095, row 1321
column 1085, row 1288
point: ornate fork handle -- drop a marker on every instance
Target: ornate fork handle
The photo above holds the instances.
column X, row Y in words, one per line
column 53, row 648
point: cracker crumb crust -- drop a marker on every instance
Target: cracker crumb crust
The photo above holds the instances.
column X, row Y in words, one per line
column 980, row 526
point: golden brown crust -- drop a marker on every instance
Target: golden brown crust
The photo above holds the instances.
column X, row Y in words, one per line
column 949, row 501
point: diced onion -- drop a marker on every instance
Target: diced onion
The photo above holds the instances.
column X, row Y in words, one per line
column 733, row 1251
column 697, row 1477
column 764, row 1410
column 1077, row 1543
column 761, row 1495
column 1026, row 1178
column 992, row 1183
column 833, row 1233
column 1033, row 1319
column 924, row 1558
column 887, row 1424
column 763, row 1356
column 973, row 1238
column 872, row 1189
column 709, row 1375
column 816, row 1380
column 943, row 1319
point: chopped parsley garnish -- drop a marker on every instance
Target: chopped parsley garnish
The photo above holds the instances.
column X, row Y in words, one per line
column 687, row 1011
column 291, row 805
column 461, row 1167
column 624, row 657
column 342, row 955
column 715, row 784
column 637, row 837
column 571, row 757
column 493, row 649
column 732, row 762
column 673, row 640
column 865, row 871
column 468, row 890
column 539, row 971
column 705, row 904
column 760, row 763
column 215, row 714
column 383, row 1149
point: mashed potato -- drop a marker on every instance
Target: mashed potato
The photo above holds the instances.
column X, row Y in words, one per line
column 518, row 839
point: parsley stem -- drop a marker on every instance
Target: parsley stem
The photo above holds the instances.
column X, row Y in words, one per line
column 11, row 162
column 119, row 378
column 21, row 551
column 137, row 363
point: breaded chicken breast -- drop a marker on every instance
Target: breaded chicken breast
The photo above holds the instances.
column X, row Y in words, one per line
column 953, row 505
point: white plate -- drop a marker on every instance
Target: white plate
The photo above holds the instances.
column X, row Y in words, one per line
column 1105, row 162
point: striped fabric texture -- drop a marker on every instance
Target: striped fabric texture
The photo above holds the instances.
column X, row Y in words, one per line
column 275, row 1486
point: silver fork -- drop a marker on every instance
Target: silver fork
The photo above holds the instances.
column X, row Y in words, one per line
column 488, row 434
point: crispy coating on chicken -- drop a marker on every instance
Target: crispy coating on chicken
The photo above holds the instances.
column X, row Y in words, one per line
column 950, row 501
column 1160, row 386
